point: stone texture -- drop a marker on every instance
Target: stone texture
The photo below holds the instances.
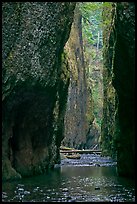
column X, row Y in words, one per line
column 76, row 122
column 119, row 83
column 34, row 35
column 124, row 83
column 109, row 120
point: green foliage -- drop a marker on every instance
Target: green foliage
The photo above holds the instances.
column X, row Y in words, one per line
column 89, row 7
column 94, row 21
column 107, row 14
column 96, row 17
column 92, row 16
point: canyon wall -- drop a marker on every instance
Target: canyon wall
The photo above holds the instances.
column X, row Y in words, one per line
column 34, row 85
column 80, row 131
column 118, row 128
column 124, row 83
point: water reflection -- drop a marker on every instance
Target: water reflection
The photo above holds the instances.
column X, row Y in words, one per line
column 100, row 183
column 72, row 183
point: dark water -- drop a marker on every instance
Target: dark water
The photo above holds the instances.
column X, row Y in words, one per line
column 91, row 178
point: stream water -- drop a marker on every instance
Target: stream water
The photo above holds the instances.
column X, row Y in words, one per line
column 91, row 178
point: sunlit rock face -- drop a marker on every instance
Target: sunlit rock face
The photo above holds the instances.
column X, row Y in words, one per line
column 76, row 122
column 124, row 83
column 34, row 84
column 119, row 79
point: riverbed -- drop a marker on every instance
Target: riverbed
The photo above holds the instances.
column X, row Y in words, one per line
column 91, row 178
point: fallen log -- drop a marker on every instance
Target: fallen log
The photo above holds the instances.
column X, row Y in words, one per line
column 86, row 151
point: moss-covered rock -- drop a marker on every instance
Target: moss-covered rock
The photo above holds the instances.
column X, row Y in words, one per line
column 9, row 173
column 76, row 122
column 124, row 83
column 118, row 134
column 110, row 100
column 34, row 35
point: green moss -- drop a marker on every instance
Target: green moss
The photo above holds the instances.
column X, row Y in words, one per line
column 8, row 173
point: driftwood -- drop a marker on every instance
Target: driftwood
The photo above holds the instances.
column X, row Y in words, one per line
column 73, row 156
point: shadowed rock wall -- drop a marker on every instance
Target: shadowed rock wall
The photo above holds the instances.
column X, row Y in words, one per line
column 34, row 34
column 109, row 120
column 124, row 83
column 118, row 128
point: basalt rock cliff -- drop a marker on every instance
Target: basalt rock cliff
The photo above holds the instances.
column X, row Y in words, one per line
column 118, row 128
column 35, row 85
column 80, row 131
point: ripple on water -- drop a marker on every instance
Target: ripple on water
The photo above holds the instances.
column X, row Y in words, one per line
column 75, row 181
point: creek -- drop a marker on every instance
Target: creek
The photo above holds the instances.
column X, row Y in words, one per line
column 92, row 178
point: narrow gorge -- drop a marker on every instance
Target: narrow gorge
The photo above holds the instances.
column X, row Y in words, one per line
column 47, row 99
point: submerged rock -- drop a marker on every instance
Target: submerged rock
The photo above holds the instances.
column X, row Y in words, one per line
column 97, row 188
